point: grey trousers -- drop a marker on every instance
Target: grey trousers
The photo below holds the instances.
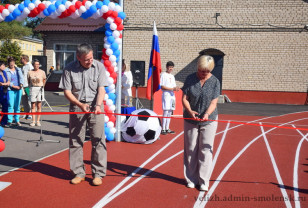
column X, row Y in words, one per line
column 77, row 133
column 198, row 152
column 26, row 103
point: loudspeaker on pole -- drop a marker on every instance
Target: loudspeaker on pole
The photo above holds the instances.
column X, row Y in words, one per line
column 138, row 71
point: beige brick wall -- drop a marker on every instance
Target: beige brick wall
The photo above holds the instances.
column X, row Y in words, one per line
column 264, row 43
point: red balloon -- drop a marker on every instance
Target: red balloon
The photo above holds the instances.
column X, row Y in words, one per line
column 1, row 8
column 110, row 69
column 2, row 145
column 114, row 14
column 120, row 27
column 107, row 63
column 41, row 7
column 106, row 108
column 112, row 118
column 84, row 2
column 105, row 57
column 120, row 35
column 114, row 75
column 118, row 20
column 35, row 11
column 7, row 6
column 78, row 4
column 72, row 9
column 108, row 13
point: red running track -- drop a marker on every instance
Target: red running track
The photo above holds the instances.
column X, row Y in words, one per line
column 254, row 167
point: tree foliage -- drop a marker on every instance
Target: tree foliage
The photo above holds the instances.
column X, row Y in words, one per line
column 33, row 23
column 9, row 48
column 14, row 29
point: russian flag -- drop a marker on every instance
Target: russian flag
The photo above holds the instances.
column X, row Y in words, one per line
column 154, row 66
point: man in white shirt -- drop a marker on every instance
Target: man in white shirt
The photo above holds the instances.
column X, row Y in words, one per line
column 168, row 86
column 25, row 97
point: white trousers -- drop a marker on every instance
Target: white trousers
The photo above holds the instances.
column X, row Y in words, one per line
column 198, row 152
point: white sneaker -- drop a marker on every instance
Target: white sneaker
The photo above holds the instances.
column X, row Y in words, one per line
column 204, row 188
column 190, row 185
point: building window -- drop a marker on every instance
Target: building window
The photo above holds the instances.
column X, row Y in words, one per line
column 64, row 55
column 34, row 48
column 99, row 51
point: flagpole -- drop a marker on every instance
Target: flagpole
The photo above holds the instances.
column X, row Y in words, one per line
column 119, row 87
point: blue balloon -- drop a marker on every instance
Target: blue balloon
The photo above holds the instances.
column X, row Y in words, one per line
column 1, row 132
column 33, row 1
column 110, row 39
column 27, row 2
column 108, row 33
column 64, row 1
column 9, row 18
column 114, row 46
column 16, row 13
column 52, row 8
column 21, row 7
column 107, row 90
column 99, row 4
column 106, row 2
column 116, row 53
column 92, row 9
column 107, row 130
column 107, row 26
column 46, row 13
column 58, row 3
column 112, row 96
column 110, row 136
column 85, row 15
column 122, row 15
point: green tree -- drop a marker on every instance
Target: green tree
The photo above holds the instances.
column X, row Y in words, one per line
column 14, row 29
column 33, row 23
column 9, row 48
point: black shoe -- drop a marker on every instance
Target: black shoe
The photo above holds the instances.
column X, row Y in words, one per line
column 170, row 131
column 163, row 132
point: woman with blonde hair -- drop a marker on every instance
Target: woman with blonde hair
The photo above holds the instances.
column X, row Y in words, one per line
column 200, row 95
column 36, row 79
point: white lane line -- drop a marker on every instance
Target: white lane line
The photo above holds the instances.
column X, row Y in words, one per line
column 221, row 175
column 295, row 169
column 277, row 173
column 201, row 193
column 102, row 204
column 4, row 185
column 98, row 204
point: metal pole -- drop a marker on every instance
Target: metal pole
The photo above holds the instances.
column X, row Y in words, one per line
column 118, row 89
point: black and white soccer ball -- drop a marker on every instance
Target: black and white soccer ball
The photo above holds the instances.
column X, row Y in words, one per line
column 142, row 128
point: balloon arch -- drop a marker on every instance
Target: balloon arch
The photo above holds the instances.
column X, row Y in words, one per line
column 110, row 11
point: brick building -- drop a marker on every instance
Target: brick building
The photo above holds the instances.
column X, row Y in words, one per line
column 260, row 47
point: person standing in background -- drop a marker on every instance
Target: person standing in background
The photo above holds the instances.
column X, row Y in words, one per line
column 168, row 86
column 27, row 66
column 4, row 83
column 16, row 78
column 127, row 83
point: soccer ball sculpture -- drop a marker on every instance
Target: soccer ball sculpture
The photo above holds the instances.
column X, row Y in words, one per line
column 142, row 128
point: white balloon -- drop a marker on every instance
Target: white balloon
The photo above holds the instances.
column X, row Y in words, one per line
column 110, row 80
column 53, row 15
column 11, row 8
column 116, row 34
column 57, row 13
column 5, row 13
column 109, row 52
column 88, row 4
column 111, row 6
column 112, row 107
column 1, row 18
column 106, row 97
column 68, row 4
column 118, row 40
column 82, row 9
column 110, row 20
column 61, row 8
column 31, row 6
column 47, row 3
column 113, row 26
column 112, row 91
column 118, row 8
column 111, row 87
column 112, row 58
column 104, row 9
column 113, row 130
column 106, row 119
column 107, row 73
column 74, row 2
column 37, row 2
column 94, row 2
column 115, row 68
column 109, row 102
column 107, row 45
column 114, row 64
column 26, row 11
column 110, row 124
